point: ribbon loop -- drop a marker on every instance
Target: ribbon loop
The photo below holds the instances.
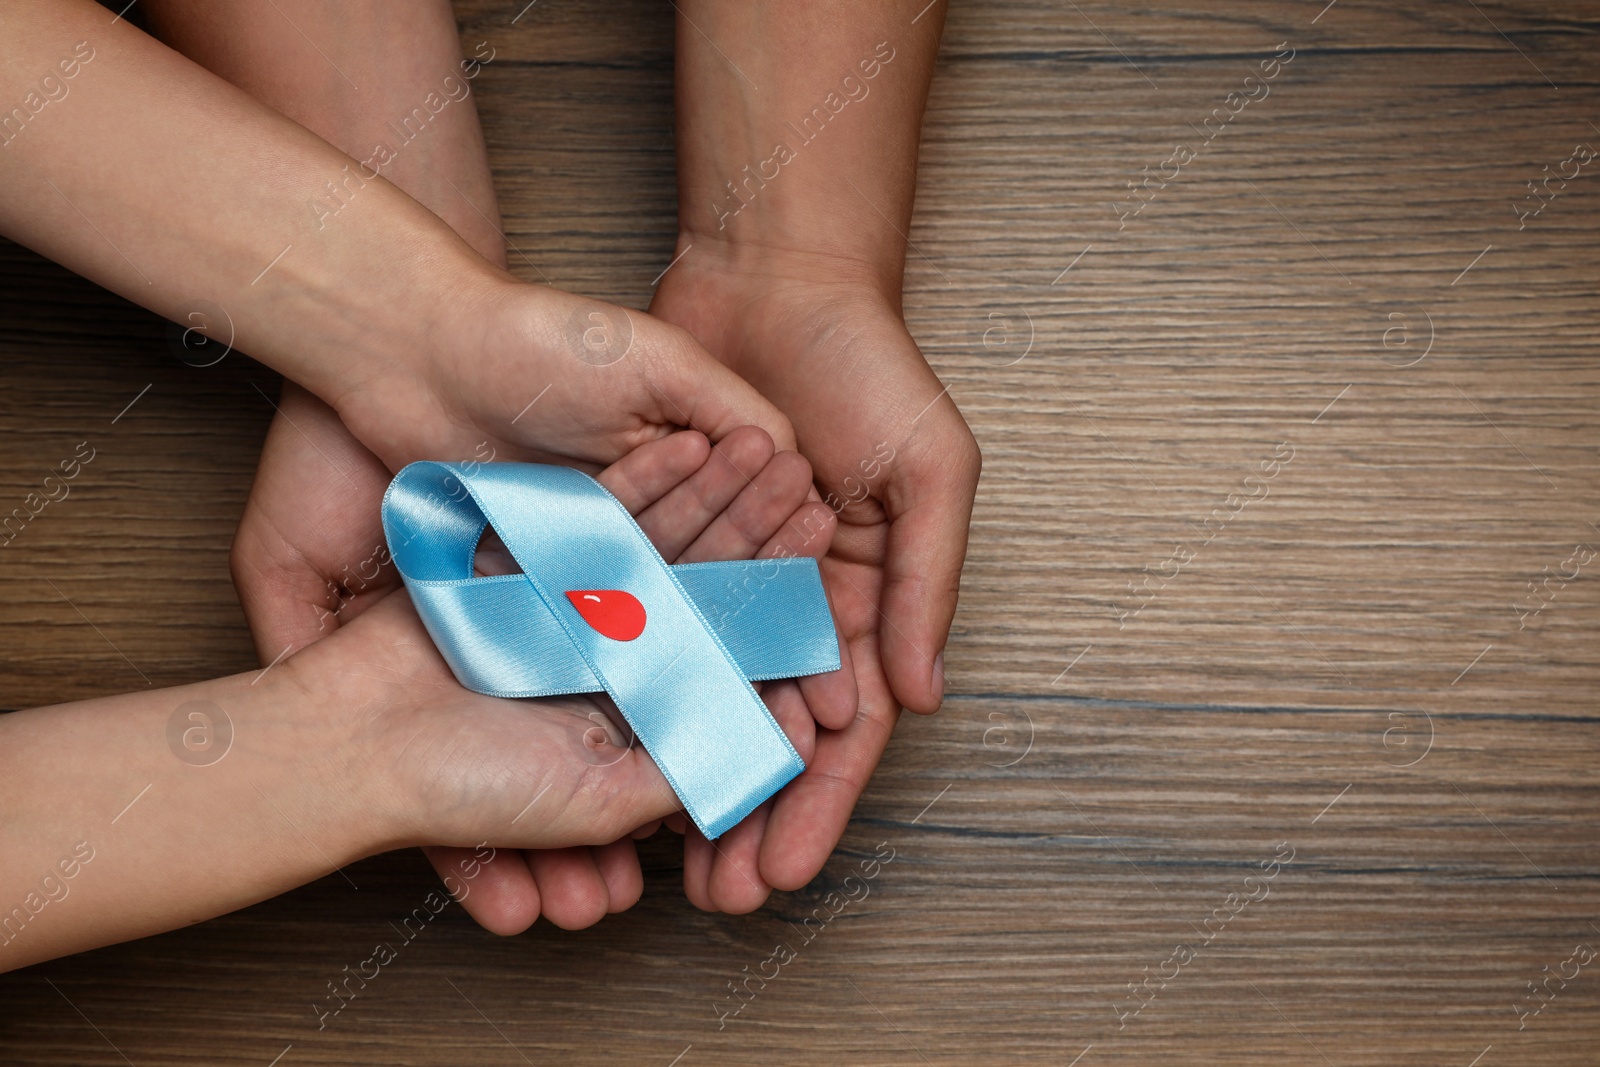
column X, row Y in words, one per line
column 597, row 608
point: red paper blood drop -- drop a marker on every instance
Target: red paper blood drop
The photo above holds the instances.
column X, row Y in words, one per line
column 611, row 612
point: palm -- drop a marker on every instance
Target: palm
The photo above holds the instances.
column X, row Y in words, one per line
column 314, row 509
column 525, row 773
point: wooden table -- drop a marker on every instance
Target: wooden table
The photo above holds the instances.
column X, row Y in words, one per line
column 1276, row 747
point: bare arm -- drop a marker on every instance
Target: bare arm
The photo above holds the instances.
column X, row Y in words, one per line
column 169, row 186
column 128, row 815
column 360, row 74
column 798, row 128
column 163, row 182
column 109, row 834
column 379, row 81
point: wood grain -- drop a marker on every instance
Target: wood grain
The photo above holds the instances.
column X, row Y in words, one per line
column 1338, row 666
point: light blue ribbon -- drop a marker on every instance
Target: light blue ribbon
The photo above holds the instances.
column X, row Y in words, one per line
column 683, row 683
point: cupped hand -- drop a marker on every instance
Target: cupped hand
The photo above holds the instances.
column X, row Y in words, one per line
column 895, row 460
column 516, row 372
column 534, row 373
column 309, row 560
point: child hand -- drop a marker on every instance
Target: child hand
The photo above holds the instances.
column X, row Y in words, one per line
column 576, row 887
column 894, row 456
column 361, row 743
column 313, row 517
column 534, row 373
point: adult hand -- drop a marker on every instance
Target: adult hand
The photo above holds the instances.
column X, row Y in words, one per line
column 360, row 743
column 895, row 459
column 309, row 559
column 464, row 768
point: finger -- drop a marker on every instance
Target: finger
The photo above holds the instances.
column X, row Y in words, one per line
column 309, row 553
column 650, row 471
column 831, row 697
column 647, row 830
column 677, row 822
column 812, row 811
column 731, row 879
column 697, row 859
column 929, row 501
column 572, row 893
column 628, row 791
column 808, row 531
column 492, row 556
column 618, row 864
column 789, row 710
column 683, row 514
column 588, row 782
column 692, row 389
column 735, row 884
column 502, row 896
column 756, row 513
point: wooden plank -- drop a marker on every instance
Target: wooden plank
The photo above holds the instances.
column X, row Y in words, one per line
column 1336, row 665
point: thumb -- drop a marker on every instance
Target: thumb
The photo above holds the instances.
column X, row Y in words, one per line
column 928, row 497
column 692, row 389
column 309, row 553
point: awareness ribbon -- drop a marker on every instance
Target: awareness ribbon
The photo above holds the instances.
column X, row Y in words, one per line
column 597, row 608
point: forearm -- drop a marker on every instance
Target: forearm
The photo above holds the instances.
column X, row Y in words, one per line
column 379, row 81
column 162, row 182
column 129, row 815
column 798, row 130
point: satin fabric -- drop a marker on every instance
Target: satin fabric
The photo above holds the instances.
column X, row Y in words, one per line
column 683, row 684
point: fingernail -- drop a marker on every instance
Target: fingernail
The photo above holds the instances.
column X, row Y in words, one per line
column 938, row 676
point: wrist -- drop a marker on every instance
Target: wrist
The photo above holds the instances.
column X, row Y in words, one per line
column 383, row 352
column 386, row 309
column 786, row 258
column 323, row 745
column 821, row 159
column 774, row 315
column 774, row 262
